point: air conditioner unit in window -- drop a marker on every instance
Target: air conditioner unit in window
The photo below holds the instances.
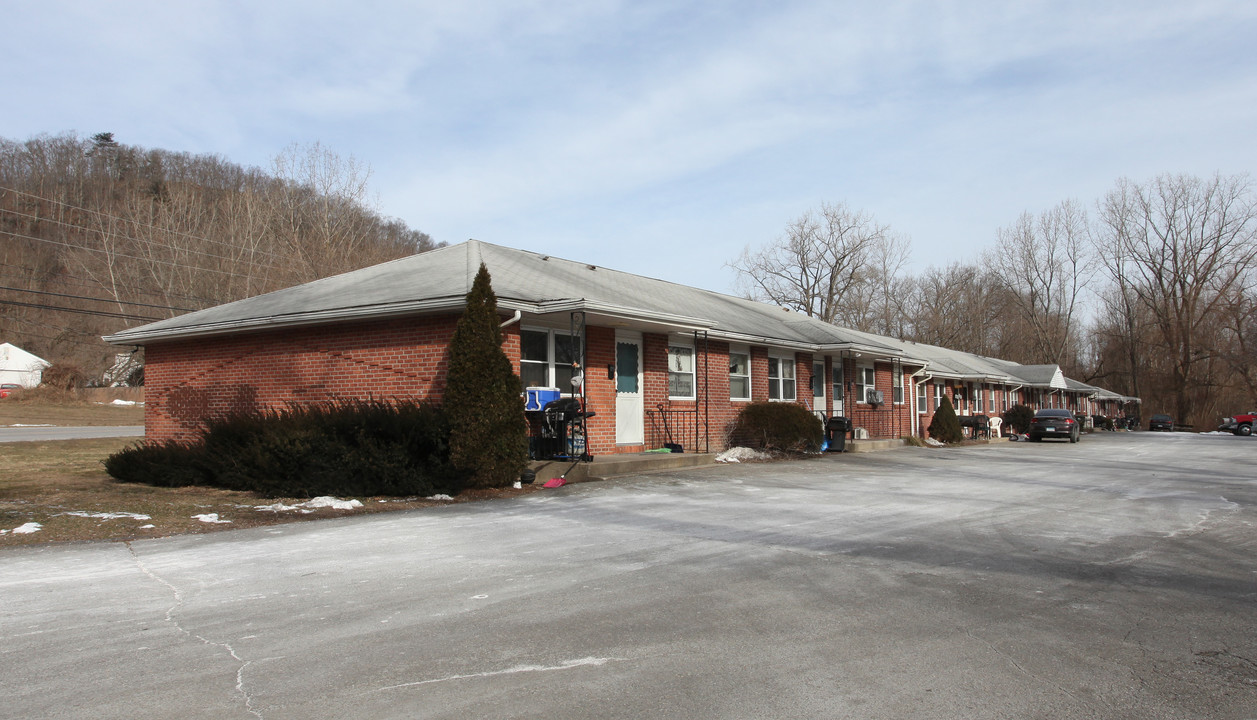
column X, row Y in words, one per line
column 874, row 397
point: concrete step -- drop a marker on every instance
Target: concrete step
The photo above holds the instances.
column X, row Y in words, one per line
column 864, row 446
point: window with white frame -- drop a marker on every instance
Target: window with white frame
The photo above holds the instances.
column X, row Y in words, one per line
column 938, row 395
column 922, row 402
column 896, row 376
column 818, row 380
column 835, row 376
column 864, row 382
column 680, row 372
column 780, row 378
column 546, row 357
column 981, row 398
column 739, row 375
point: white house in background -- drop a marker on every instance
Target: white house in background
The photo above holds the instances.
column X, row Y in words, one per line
column 20, row 367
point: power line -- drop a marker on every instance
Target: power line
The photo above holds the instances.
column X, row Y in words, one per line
column 96, row 284
column 151, row 243
column 44, row 324
column 122, row 255
column 100, row 313
column 121, row 219
column 104, row 300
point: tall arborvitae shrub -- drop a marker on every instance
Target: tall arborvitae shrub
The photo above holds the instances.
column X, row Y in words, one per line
column 488, row 432
column 945, row 427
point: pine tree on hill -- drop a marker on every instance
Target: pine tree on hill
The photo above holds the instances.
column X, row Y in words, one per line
column 488, row 432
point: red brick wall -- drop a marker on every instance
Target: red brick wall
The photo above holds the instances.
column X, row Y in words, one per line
column 187, row 380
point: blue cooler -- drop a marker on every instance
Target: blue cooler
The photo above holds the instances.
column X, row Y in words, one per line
column 535, row 398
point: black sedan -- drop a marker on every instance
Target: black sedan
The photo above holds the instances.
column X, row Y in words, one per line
column 1161, row 422
column 1054, row 423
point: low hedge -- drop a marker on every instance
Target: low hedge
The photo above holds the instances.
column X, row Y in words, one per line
column 781, row 426
column 349, row 448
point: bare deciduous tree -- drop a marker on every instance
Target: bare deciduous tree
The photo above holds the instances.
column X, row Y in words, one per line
column 1043, row 265
column 1183, row 247
column 816, row 265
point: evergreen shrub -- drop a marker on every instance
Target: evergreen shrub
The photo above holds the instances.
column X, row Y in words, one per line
column 1018, row 418
column 945, row 427
column 488, row 429
column 347, row 448
column 781, row 426
column 171, row 464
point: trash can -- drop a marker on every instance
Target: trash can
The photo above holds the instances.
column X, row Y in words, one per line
column 836, row 429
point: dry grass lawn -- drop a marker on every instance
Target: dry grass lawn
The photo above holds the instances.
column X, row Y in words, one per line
column 44, row 406
column 63, row 486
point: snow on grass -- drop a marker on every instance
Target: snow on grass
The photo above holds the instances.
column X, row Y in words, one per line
column 310, row 506
column 108, row 515
column 439, row 496
column 28, row 528
column 209, row 518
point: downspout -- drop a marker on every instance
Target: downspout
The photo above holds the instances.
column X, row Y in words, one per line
column 513, row 320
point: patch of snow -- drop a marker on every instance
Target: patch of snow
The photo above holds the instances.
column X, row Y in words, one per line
column 311, row 505
column 27, row 529
column 739, row 454
column 122, row 402
column 519, row 485
column 934, row 443
column 32, row 425
column 108, row 515
column 209, row 518
column 148, row 526
column 331, row 502
column 274, row 508
column 440, row 496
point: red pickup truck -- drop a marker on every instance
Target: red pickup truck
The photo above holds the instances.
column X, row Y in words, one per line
column 1241, row 424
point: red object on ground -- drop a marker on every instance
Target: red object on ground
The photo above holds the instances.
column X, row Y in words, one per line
column 555, row 482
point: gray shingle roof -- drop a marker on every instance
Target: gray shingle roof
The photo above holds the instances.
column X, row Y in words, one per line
column 532, row 282
column 541, row 285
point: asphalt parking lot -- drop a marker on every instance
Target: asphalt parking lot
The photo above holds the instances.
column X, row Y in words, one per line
column 1115, row 578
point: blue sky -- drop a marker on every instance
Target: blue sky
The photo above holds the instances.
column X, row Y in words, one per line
column 662, row 138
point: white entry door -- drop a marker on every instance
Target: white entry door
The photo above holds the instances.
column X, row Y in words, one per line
column 630, row 408
column 818, row 387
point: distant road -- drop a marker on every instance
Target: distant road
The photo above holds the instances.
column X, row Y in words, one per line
column 41, row 433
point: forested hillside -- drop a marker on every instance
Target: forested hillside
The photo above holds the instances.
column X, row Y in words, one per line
column 97, row 236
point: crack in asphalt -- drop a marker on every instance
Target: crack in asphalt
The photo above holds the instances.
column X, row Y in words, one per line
column 565, row 665
column 170, row 618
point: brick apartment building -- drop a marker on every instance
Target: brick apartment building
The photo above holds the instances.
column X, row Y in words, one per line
column 656, row 362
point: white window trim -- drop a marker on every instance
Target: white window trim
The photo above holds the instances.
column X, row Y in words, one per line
column 551, row 357
column 693, row 372
column 923, row 397
column 750, row 371
column 903, row 389
column 862, row 390
column 794, row 378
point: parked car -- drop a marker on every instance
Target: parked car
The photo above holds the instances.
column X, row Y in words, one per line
column 1054, row 423
column 7, row 389
column 1161, row 422
column 1241, row 424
